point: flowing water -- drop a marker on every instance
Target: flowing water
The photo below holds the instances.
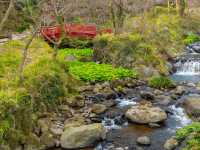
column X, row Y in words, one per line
column 122, row 135
column 126, row 134
column 188, row 65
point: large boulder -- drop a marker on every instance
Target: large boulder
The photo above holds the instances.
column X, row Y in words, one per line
column 83, row 136
column 145, row 114
column 192, row 106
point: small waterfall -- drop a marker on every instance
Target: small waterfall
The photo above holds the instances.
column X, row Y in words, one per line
column 189, row 63
column 188, row 67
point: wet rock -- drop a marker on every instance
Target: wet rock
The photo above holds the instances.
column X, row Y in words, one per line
column 146, row 114
column 119, row 148
column 76, row 101
column 147, row 95
column 110, row 103
column 158, row 92
column 83, row 136
column 192, row 106
column 154, row 125
column 144, row 140
column 180, row 90
column 163, row 100
column 170, row 144
column 98, row 108
column 139, row 148
column 191, row 85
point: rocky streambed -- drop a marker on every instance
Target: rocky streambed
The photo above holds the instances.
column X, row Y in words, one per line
column 125, row 115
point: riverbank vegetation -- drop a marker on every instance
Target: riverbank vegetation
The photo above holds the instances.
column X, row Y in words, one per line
column 190, row 133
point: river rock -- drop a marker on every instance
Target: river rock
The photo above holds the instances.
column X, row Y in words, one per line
column 144, row 140
column 180, row 90
column 170, row 144
column 83, row 136
column 76, row 121
column 163, row 100
column 147, row 95
column 145, row 114
column 192, row 106
column 154, row 125
column 98, row 108
column 191, row 85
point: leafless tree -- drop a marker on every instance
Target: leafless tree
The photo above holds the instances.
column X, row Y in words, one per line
column 8, row 11
column 180, row 6
column 35, row 28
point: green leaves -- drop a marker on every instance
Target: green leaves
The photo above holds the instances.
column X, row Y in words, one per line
column 192, row 131
column 191, row 38
column 78, row 53
column 91, row 71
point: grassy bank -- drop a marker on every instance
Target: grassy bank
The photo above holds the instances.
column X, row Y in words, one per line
column 149, row 41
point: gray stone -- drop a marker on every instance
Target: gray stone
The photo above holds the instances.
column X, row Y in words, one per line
column 180, row 90
column 144, row 140
column 98, row 108
column 147, row 95
column 192, row 106
column 83, row 136
column 145, row 114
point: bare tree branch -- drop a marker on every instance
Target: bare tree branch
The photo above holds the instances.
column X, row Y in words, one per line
column 2, row 23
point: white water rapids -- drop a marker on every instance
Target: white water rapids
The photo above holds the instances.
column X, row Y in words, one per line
column 189, row 67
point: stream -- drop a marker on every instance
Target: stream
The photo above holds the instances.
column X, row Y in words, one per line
column 123, row 137
column 122, row 134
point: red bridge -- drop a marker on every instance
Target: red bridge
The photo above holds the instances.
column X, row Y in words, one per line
column 72, row 30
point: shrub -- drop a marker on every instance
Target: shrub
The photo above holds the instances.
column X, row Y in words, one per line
column 119, row 50
column 191, row 38
column 9, row 61
column 161, row 82
column 45, row 81
column 76, row 43
column 15, row 112
column 78, row 53
column 192, row 130
column 90, row 71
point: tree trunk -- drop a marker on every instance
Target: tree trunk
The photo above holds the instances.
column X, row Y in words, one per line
column 180, row 7
column 11, row 5
column 25, row 53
